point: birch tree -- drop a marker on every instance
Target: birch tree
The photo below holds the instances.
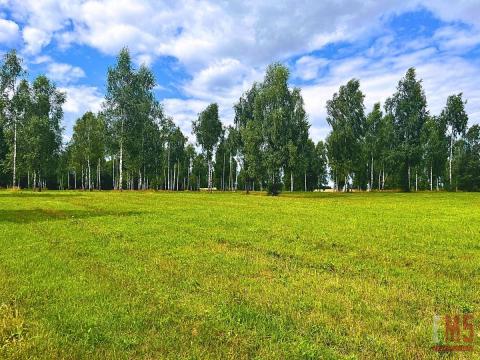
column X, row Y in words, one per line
column 345, row 114
column 207, row 130
column 118, row 103
column 435, row 149
column 47, row 113
column 456, row 119
column 11, row 71
column 88, row 145
column 408, row 108
column 373, row 139
column 468, row 160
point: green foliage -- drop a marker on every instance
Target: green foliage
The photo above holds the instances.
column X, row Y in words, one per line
column 87, row 147
column 208, row 129
column 408, row 108
column 10, row 70
column 345, row 114
column 468, row 163
column 133, row 119
column 273, row 129
column 134, row 145
column 455, row 118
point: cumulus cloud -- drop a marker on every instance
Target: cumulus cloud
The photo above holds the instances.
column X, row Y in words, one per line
column 35, row 39
column 224, row 46
column 223, row 79
column 64, row 73
column 442, row 75
column 9, row 32
column 80, row 99
column 197, row 31
column 308, row 67
column 184, row 111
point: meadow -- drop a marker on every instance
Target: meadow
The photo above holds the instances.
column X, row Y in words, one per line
column 159, row 275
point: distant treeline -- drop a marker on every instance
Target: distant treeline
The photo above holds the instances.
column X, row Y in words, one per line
column 132, row 144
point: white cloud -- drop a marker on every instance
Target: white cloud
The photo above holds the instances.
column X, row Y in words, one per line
column 308, row 67
column 452, row 38
column 465, row 10
column 64, row 73
column 222, row 79
column 9, row 32
column 224, row 46
column 35, row 39
column 80, row 99
column 197, row 31
column 442, row 75
column 184, row 111
column 42, row 59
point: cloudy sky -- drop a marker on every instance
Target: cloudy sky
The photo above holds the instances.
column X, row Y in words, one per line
column 206, row 51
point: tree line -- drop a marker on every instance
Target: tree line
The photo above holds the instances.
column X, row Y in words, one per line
column 403, row 146
column 132, row 144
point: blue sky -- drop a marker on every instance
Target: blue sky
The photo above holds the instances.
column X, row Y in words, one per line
column 205, row 51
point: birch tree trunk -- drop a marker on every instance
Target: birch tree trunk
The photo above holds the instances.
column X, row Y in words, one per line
column 371, row 175
column 113, row 173
column 223, row 173
column 178, row 172
column 305, row 180
column 230, row 178
column 14, row 152
column 99, row 175
column 188, row 174
column 291, row 181
column 174, row 176
column 416, row 180
column 409, row 185
column 168, row 168
column 236, row 178
column 431, row 177
column 383, row 179
column 209, row 175
column 88, row 174
column 120, row 167
column 450, row 159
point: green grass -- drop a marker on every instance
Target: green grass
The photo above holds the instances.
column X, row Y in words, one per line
column 199, row 276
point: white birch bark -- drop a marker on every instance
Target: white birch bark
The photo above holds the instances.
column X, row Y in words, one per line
column 14, row 152
column 371, row 175
column 431, row 177
column 305, row 180
column 89, row 175
column 450, row 159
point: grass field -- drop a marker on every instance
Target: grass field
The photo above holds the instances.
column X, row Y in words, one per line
column 199, row 276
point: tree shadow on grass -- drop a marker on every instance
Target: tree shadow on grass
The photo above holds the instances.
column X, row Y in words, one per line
column 39, row 215
column 37, row 195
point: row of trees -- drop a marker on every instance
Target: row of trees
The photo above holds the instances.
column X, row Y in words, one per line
column 30, row 130
column 132, row 144
column 404, row 146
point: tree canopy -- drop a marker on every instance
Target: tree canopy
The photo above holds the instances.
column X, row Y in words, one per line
column 132, row 144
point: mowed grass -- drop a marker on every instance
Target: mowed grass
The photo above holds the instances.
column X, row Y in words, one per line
column 218, row 276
